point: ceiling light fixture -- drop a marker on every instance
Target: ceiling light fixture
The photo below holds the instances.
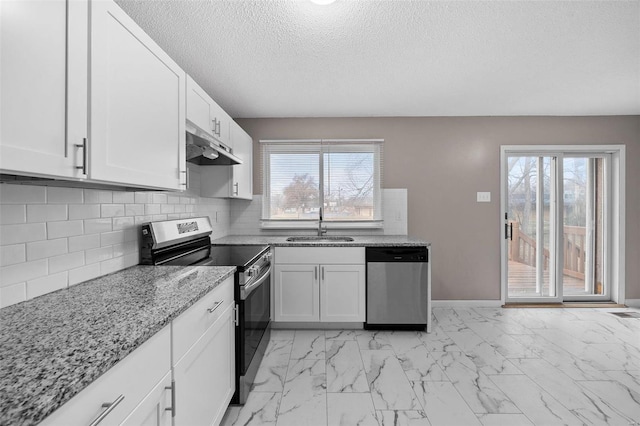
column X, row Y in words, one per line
column 322, row 2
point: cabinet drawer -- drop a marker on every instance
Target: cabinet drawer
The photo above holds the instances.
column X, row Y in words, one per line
column 192, row 324
column 333, row 255
column 133, row 378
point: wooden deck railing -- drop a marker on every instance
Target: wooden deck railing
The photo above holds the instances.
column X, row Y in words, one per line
column 522, row 248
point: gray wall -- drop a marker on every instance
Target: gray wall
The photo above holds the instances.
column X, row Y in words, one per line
column 444, row 161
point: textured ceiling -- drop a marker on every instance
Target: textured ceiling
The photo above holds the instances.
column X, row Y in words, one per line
column 356, row 58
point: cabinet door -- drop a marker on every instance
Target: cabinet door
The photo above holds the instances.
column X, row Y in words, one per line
column 342, row 293
column 44, row 48
column 296, row 293
column 199, row 107
column 205, row 376
column 155, row 408
column 222, row 125
column 125, row 385
column 242, row 181
column 137, row 105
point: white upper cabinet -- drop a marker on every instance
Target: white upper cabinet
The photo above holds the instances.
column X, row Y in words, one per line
column 231, row 181
column 206, row 114
column 242, row 174
column 137, row 105
column 199, row 107
column 43, row 115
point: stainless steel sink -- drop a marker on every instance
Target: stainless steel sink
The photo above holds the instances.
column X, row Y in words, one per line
column 323, row 238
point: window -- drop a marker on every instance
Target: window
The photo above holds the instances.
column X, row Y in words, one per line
column 341, row 176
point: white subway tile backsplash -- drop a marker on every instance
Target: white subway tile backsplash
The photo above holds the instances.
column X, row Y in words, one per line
column 47, row 284
column 98, row 255
column 125, row 248
column 22, row 272
column 158, row 198
column 96, row 196
column 112, row 210
column 46, row 212
column 84, row 211
column 51, row 237
column 64, row 195
column 22, row 194
column 134, row 209
column 94, row 226
column 131, row 259
column 112, row 265
column 142, row 197
column 69, row 228
column 10, row 255
column 123, row 197
column 46, row 248
column 111, row 238
column 83, row 274
column 66, row 262
column 166, row 208
column 11, row 214
column 151, row 209
column 143, row 219
column 84, row 242
column 13, row 294
column 120, row 223
column 14, row 234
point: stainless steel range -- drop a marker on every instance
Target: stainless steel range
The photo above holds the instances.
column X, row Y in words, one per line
column 187, row 242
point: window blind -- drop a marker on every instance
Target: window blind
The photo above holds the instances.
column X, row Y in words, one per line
column 343, row 177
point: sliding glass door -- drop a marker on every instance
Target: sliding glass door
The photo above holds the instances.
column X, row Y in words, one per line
column 555, row 226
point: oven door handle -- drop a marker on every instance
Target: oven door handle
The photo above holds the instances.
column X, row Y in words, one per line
column 245, row 291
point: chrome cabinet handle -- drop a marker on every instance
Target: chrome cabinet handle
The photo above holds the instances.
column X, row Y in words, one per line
column 315, row 268
column 215, row 306
column 322, row 273
column 173, row 398
column 108, row 406
column 83, row 146
column 237, row 188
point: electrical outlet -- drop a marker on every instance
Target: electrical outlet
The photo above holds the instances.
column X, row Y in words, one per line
column 484, row 197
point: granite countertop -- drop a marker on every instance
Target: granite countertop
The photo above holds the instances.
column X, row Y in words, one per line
column 53, row 346
column 359, row 241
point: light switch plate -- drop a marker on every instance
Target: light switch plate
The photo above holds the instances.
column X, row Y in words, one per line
column 484, row 197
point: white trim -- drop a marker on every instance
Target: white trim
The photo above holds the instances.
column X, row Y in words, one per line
column 313, row 224
column 467, row 303
column 617, row 274
column 633, row 303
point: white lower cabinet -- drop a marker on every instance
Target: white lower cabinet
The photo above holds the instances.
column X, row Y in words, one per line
column 204, row 377
column 146, row 389
column 204, row 358
column 118, row 393
column 332, row 290
column 297, row 296
column 342, row 293
column 156, row 408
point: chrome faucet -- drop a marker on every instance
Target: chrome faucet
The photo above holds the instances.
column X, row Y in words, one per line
column 321, row 230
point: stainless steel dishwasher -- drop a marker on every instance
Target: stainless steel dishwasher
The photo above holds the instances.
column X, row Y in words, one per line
column 398, row 288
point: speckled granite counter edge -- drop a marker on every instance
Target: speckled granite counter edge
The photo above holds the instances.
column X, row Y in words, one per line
column 20, row 401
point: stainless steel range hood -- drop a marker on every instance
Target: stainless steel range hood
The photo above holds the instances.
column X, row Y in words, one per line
column 204, row 150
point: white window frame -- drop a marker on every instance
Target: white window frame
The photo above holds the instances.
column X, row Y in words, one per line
column 330, row 144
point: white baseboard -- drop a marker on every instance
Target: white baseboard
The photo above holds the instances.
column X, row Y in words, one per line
column 632, row 303
column 466, row 303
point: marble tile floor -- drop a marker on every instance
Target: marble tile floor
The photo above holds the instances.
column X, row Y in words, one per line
column 479, row 366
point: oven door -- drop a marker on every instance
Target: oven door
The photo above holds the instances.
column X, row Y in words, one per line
column 254, row 315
